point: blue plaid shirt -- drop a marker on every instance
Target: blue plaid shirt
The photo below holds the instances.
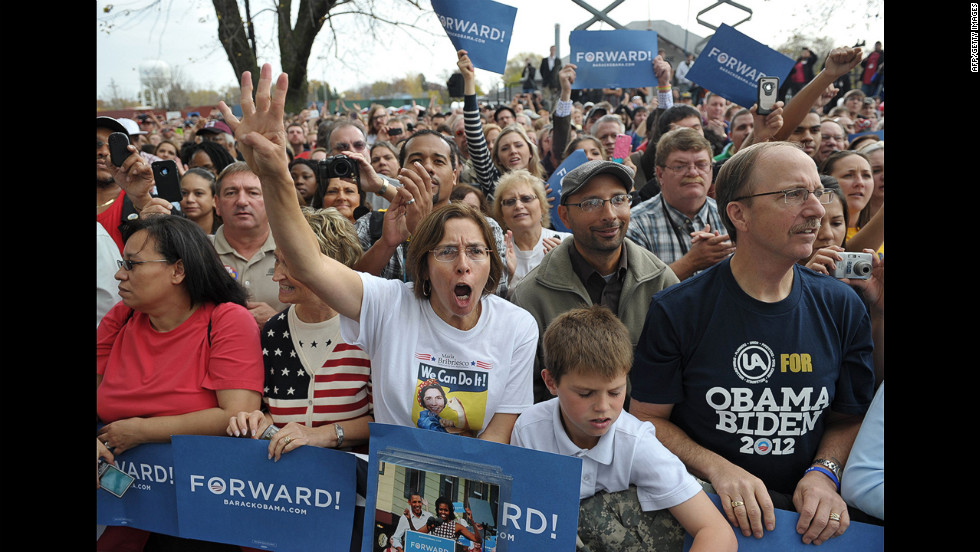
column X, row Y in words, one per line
column 651, row 229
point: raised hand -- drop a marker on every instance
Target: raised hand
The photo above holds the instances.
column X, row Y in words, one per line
column 261, row 133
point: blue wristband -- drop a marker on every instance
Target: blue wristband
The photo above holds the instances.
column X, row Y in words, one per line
column 826, row 472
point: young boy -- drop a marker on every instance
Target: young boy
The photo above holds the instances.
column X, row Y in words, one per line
column 588, row 355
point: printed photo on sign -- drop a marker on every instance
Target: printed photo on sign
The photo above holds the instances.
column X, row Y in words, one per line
column 426, row 510
column 450, row 394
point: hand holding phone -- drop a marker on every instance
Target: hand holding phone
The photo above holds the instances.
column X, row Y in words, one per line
column 167, row 180
column 119, row 148
column 114, row 480
column 624, row 144
column 768, row 89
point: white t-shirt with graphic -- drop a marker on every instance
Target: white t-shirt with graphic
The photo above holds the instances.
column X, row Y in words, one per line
column 418, row 360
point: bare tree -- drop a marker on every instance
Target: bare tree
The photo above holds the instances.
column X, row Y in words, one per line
column 241, row 42
column 295, row 39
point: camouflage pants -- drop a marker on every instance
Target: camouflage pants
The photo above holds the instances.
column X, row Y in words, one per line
column 615, row 522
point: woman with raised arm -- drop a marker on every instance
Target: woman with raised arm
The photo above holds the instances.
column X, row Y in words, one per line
column 450, row 326
column 512, row 149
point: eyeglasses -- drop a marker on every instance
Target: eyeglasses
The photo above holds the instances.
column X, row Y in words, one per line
column 449, row 253
column 701, row 166
column 617, row 201
column 128, row 264
column 798, row 196
column 357, row 146
column 525, row 200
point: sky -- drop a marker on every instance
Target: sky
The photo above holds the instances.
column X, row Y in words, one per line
column 187, row 38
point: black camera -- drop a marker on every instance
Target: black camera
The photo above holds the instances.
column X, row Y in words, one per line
column 338, row 166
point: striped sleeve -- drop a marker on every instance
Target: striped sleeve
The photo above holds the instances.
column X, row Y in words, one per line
column 476, row 144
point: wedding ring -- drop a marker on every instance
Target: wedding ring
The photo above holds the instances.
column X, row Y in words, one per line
column 834, row 517
column 287, row 440
column 737, row 503
column 411, row 201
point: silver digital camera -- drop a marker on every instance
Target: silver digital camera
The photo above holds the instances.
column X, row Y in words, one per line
column 853, row 265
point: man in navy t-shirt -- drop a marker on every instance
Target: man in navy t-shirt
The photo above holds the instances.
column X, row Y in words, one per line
column 758, row 372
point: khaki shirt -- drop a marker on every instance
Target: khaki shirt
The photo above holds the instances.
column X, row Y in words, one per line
column 255, row 273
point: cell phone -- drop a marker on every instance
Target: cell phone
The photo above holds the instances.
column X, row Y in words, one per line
column 118, row 148
column 624, row 144
column 167, row 181
column 269, row 432
column 115, row 481
column 395, row 131
column 768, row 89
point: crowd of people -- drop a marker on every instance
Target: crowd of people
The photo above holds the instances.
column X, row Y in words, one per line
column 691, row 331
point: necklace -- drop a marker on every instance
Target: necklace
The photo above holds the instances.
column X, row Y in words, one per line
column 106, row 204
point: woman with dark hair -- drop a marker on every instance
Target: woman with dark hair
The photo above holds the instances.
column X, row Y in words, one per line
column 304, row 176
column 179, row 354
column 852, row 169
column 450, row 528
column 210, row 156
column 512, row 149
column 833, row 230
column 432, row 398
column 198, row 190
column 343, row 194
column 445, row 323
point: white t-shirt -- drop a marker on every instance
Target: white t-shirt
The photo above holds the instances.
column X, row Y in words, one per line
column 628, row 454
column 526, row 260
column 480, row 371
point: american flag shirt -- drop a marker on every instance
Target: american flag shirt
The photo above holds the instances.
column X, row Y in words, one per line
column 301, row 388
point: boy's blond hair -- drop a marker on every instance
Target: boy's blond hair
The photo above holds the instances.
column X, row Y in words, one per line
column 589, row 340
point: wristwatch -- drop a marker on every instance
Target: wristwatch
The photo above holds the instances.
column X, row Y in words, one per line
column 340, row 434
column 829, row 464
